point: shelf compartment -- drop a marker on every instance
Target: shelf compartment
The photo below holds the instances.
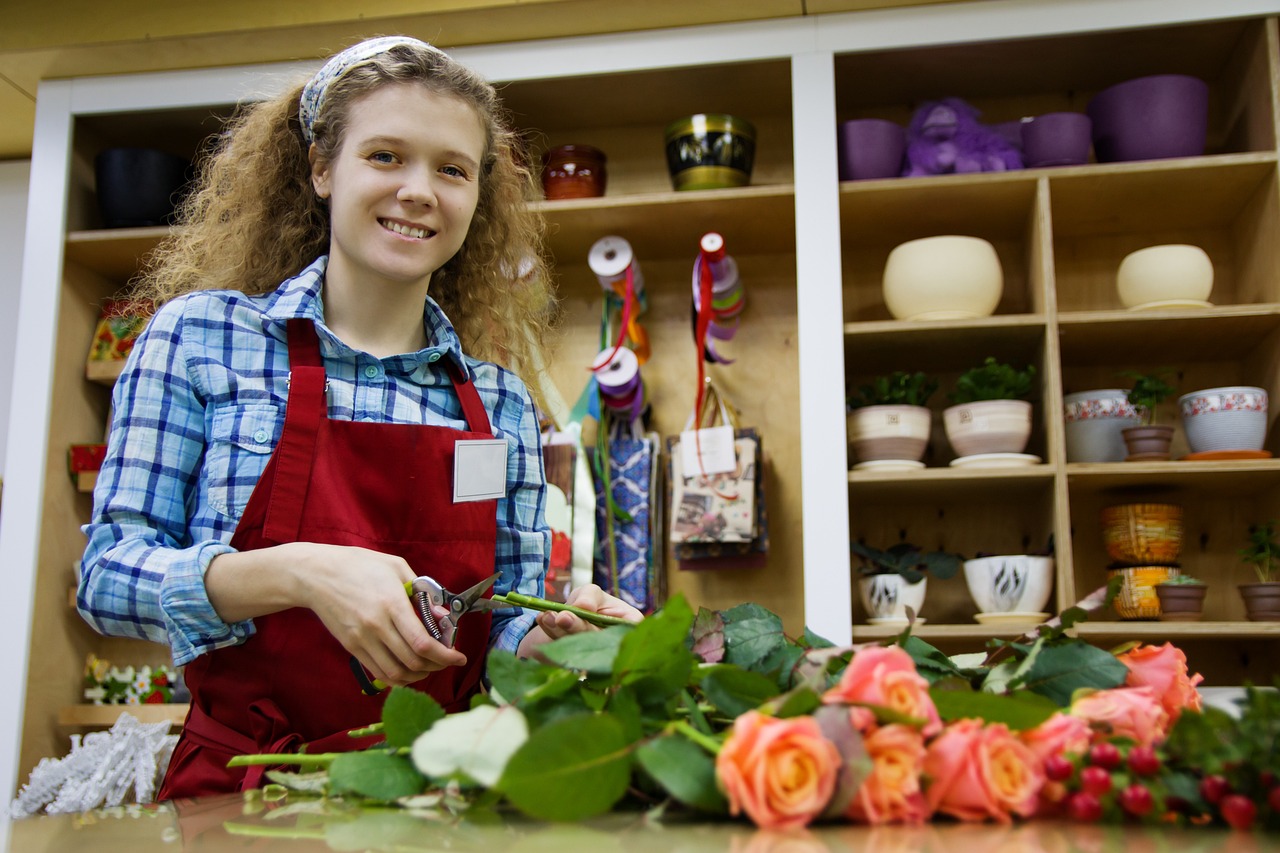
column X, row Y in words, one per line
column 1245, row 477
column 105, row 716
column 946, row 483
column 1106, row 338
column 115, row 253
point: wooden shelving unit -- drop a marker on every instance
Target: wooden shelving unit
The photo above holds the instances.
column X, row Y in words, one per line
column 105, row 716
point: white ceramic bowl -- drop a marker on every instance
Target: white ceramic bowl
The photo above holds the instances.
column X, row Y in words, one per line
column 1015, row 583
column 988, row 426
column 1171, row 273
column 1233, row 417
column 1094, row 420
column 886, row 597
column 950, row 277
column 889, row 432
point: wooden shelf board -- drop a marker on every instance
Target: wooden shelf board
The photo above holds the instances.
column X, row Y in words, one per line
column 1219, row 333
column 894, row 210
column 1137, row 630
column 113, row 252
column 105, row 716
column 85, row 481
column 1235, row 478
column 876, row 346
column 947, row 483
column 753, row 220
column 104, row 372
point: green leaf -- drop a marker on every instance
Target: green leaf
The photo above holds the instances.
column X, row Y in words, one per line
column 521, row 681
column 930, row 662
column 810, row 640
column 655, row 652
column 708, row 636
column 735, row 691
column 375, row 774
column 1018, row 711
column 477, row 743
column 752, row 635
column 684, row 770
column 408, row 713
column 1059, row 671
column 570, row 770
column 797, row 703
column 592, row 652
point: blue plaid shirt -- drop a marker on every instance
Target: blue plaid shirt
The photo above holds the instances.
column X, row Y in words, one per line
column 197, row 413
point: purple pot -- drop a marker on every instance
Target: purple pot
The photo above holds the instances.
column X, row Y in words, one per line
column 871, row 148
column 1056, row 139
column 1150, row 118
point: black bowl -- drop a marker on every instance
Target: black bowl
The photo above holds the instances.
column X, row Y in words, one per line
column 138, row 187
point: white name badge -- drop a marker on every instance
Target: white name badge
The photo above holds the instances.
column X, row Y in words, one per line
column 479, row 470
column 707, row 451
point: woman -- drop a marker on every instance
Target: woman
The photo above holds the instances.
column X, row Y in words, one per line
column 283, row 446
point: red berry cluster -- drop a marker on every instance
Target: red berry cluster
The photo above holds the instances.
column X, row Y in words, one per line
column 1237, row 809
column 1106, row 781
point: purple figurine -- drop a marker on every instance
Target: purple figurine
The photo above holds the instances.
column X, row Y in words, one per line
column 945, row 136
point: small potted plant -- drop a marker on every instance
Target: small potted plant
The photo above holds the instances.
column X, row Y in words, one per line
column 1149, row 440
column 1181, row 598
column 893, row 579
column 888, row 420
column 1262, row 599
column 990, row 412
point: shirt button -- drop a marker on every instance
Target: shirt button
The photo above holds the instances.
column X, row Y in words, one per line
column 261, row 436
column 371, row 371
column 433, row 358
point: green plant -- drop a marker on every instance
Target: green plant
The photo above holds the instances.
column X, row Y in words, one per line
column 994, row 380
column 898, row 388
column 1263, row 551
column 1149, row 391
column 905, row 559
column 1181, row 580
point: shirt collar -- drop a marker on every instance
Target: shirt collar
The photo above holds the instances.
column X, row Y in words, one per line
column 299, row 296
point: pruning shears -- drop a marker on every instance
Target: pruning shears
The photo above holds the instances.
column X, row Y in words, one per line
column 427, row 592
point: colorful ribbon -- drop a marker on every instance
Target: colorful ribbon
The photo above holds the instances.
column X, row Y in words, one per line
column 618, row 271
column 718, row 297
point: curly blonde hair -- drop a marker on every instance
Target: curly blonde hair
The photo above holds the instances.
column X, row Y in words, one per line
column 254, row 218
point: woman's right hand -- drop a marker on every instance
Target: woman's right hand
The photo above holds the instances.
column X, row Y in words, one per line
column 358, row 595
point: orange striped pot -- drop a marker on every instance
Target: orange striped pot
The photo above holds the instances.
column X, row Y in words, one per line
column 1137, row 598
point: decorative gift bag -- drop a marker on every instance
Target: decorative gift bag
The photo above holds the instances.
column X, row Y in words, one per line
column 626, row 562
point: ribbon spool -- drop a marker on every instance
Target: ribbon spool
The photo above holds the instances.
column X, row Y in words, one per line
column 725, row 296
column 616, row 268
column 617, row 373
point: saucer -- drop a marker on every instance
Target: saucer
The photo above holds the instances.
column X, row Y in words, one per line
column 1165, row 304
column 891, row 620
column 888, row 465
column 1209, row 455
column 995, row 460
column 1013, row 617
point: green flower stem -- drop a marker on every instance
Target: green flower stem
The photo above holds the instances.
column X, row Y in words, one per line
column 707, row 742
column 534, row 603
column 319, row 759
column 367, row 731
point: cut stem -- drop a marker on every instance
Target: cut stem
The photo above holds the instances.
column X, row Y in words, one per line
column 534, row 603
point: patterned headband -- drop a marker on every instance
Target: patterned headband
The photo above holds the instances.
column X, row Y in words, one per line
column 313, row 93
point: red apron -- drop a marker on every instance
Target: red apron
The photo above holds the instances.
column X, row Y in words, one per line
column 382, row 486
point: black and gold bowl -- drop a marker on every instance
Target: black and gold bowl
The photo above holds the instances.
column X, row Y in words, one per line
column 710, row 151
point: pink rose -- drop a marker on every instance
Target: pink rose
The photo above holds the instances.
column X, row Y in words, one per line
column 782, row 773
column 980, row 772
column 1164, row 669
column 891, row 792
column 1133, row 712
column 1059, row 734
column 886, row 676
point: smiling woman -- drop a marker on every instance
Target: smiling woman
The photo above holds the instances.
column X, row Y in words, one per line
column 316, row 415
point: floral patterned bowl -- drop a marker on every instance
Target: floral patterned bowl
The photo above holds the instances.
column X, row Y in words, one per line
column 1233, row 417
column 1094, row 420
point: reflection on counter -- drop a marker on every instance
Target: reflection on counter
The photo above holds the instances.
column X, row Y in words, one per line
column 298, row 823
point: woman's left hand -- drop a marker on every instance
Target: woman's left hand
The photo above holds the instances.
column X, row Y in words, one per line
column 557, row 624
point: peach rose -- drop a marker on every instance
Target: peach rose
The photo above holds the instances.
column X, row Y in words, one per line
column 1133, row 712
column 781, row 773
column 980, row 772
column 891, row 792
column 1059, row 734
column 886, row 676
column 1164, row 669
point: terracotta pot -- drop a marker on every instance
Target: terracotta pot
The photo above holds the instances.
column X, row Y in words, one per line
column 573, row 171
column 1137, row 598
column 1148, row 443
column 1261, row 601
column 1181, row 602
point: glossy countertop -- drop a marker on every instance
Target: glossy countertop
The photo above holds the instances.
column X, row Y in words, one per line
column 229, row 823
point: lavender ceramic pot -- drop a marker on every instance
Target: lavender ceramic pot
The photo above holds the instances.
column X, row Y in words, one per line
column 871, row 148
column 1150, row 118
column 1056, row 139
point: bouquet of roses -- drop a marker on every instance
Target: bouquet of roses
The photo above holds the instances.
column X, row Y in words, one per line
column 721, row 713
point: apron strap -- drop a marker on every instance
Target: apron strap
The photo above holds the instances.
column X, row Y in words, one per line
column 472, row 408
column 306, row 408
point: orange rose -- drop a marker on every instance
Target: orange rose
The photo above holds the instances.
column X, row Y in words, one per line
column 1133, row 712
column 886, row 676
column 1164, row 669
column 781, row 773
column 891, row 792
column 1059, row 734
column 980, row 772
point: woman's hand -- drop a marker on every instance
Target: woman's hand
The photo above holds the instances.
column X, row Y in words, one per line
column 557, row 624
column 358, row 595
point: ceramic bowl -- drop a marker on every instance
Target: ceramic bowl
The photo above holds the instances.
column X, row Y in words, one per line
column 988, row 426
column 710, row 151
column 1056, row 139
column 889, row 432
column 1017, row 583
column 1165, row 273
column 1137, row 598
column 948, row 277
column 1143, row 534
column 1229, row 418
column 871, row 148
column 1094, row 420
column 1150, row 118
column 574, row 171
column 139, row 187
column 886, row 597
